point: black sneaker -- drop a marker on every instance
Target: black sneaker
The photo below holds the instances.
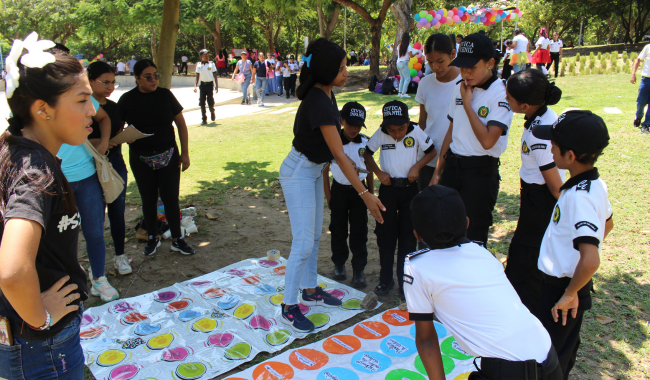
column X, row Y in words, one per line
column 319, row 298
column 213, row 117
column 384, row 289
column 203, row 122
column 181, row 246
column 243, row 102
column 151, row 246
column 637, row 123
column 294, row 318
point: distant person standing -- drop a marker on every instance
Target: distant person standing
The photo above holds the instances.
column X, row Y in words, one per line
column 404, row 53
column 555, row 49
column 121, row 68
column 221, row 63
column 131, row 64
column 244, row 66
column 293, row 66
column 260, row 78
column 520, row 56
column 183, row 64
column 644, row 89
column 542, row 56
column 205, row 75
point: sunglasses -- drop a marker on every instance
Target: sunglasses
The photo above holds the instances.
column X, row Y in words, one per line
column 151, row 78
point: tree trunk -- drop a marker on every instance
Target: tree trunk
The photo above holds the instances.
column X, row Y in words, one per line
column 167, row 44
column 331, row 23
column 321, row 20
column 216, row 34
column 154, row 48
column 402, row 13
column 375, row 41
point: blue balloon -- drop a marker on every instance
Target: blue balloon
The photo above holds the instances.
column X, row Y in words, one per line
column 417, row 17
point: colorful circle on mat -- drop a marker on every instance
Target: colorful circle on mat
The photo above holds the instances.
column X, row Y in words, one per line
column 236, row 272
column 213, row 293
column 268, row 263
column 145, row 328
column 220, row 340
column 276, row 299
column 110, row 357
column 161, row 341
column 188, row 315
column 99, row 345
column 304, row 309
column 122, row 307
column 239, row 351
column 351, row 304
column 204, row 325
column 176, row 354
column 371, row 330
column 441, row 331
column 250, row 280
column 178, row 305
column 190, row 371
column 337, row 293
column 273, row 371
column 134, row 317
column 448, row 365
column 228, row 301
column 308, row 359
column 165, row 296
column 323, row 285
column 265, row 290
column 398, row 346
column 341, row 344
column 370, row 362
column 260, row 322
column 463, row 376
column 404, row 374
column 277, row 338
column 397, row 317
column 91, row 333
column 319, row 319
column 124, row 372
column 200, row 284
column 244, row 311
column 89, row 319
column 280, row 271
column 337, row 373
column 450, row 347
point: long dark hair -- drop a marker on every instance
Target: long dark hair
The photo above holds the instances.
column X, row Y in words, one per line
column 46, row 84
column 439, row 42
column 531, row 86
column 323, row 67
column 404, row 45
column 221, row 55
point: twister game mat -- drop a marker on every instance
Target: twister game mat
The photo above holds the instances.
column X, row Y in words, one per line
column 379, row 348
column 202, row 327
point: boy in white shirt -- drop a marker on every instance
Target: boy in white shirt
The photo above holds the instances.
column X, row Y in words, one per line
column 464, row 286
column 286, row 78
column 643, row 99
column 205, row 75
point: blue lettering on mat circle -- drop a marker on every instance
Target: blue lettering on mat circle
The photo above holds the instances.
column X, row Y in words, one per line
column 370, row 362
column 337, row 373
column 398, row 346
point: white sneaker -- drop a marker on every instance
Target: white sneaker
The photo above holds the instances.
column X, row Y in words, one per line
column 103, row 289
column 122, row 265
column 262, row 104
column 406, row 96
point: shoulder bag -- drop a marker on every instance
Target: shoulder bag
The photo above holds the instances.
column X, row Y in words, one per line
column 239, row 78
column 111, row 182
column 269, row 73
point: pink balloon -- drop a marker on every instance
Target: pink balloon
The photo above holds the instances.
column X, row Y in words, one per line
column 415, row 79
column 456, row 19
column 443, row 20
column 450, row 13
column 438, row 16
column 436, row 26
column 426, row 26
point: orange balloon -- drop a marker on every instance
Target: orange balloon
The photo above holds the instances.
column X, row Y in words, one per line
column 417, row 66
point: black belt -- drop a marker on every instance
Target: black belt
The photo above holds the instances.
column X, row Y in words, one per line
column 467, row 162
column 526, row 185
column 210, row 82
column 401, row 182
column 350, row 186
column 500, row 369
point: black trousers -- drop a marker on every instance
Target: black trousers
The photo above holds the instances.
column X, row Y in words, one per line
column 535, row 211
column 348, row 206
column 397, row 230
column 565, row 339
column 477, row 181
column 206, row 90
column 294, row 78
column 183, row 64
column 500, row 369
column 164, row 182
column 287, row 85
column 507, row 69
column 555, row 59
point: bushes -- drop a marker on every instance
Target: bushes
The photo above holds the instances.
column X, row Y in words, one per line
column 583, row 61
column 600, row 56
column 624, row 56
column 577, row 57
column 592, row 64
column 634, row 56
column 592, row 56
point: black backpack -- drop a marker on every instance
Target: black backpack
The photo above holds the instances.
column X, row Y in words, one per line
column 373, row 83
column 388, row 88
column 412, row 88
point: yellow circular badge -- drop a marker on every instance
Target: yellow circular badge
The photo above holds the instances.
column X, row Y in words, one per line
column 556, row 214
column 483, row 111
column 409, row 142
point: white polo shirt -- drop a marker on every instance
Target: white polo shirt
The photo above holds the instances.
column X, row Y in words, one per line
column 556, row 45
column 467, row 290
column 579, row 216
column 205, row 71
column 398, row 157
column 294, row 66
column 435, row 96
column 353, row 149
column 489, row 103
column 645, row 57
column 542, row 42
column 522, row 43
column 536, row 155
column 121, row 66
column 184, row 58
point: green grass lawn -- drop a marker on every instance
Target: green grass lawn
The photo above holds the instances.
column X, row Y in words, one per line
column 246, row 153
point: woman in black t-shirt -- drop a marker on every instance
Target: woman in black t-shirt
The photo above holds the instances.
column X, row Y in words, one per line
column 155, row 160
column 42, row 283
column 316, row 142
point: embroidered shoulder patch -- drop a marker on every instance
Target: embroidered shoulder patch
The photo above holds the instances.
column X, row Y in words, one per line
column 590, row 225
column 584, row 185
column 504, row 105
column 537, row 146
column 408, row 279
column 459, row 102
column 427, row 140
column 417, row 253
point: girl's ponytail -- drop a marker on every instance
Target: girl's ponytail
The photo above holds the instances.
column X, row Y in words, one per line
column 553, row 94
column 322, row 62
column 531, row 86
column 15, row 126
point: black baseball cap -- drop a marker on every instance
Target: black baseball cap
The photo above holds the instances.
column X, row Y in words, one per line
column 395, row 113
column 292, row 57
column 354, row 114
column 580, row 131
column 472, row 49
column 204, row 51
column 439, row 217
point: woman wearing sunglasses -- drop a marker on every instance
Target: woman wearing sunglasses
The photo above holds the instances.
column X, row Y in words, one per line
column 155, row 160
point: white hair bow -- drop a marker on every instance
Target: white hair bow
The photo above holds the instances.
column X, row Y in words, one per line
column 35, row 58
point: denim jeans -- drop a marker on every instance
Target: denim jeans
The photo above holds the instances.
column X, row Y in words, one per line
column 278, row 82
column 643, row 100
column 405, row 76
column 56, row 358
column 517, row 68
column 260, row 87
column 244, row 86
column 89, row 197
column 302, row 184
column 271, row 86
column 116, row 209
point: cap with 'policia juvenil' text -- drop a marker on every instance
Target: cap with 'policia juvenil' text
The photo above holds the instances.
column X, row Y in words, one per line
column 580, row 131
column 439, row 217
column 472, row 49
column 354, row 114
column 395, row 113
